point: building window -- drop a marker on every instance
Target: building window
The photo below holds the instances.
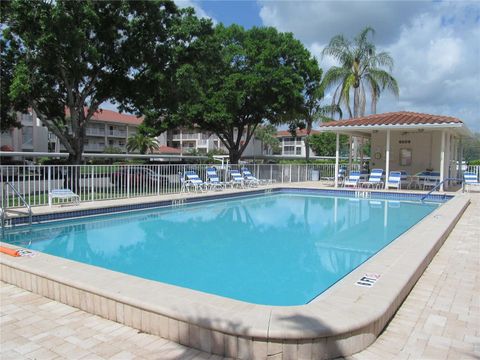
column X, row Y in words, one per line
column 289, row 150
column 298, row 151
column 27, row 136
column 110, row 142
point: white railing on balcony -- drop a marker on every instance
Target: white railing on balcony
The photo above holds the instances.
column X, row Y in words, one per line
column 106, row 182
column 202, row 143
column 292, row 143
column 95, row 132
column 186, row 136
column 94, row 147
column 117, row 133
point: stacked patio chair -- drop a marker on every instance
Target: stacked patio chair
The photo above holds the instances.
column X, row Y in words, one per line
column 374, row 180
column 250, row 180
column 192, row 181
column 430, row 179
column 471, row 181
column 394, row 180
column 236, row 179
column 352, row 179
column 213, row 180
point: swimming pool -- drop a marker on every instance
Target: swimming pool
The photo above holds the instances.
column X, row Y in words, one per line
column 277, row 249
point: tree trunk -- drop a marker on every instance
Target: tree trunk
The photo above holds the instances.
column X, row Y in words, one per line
column 356, row 102
column 307, row 143
column 234, row 156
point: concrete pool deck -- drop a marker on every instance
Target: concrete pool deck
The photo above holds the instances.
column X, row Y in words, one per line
column 344, row 320
column 440, row 318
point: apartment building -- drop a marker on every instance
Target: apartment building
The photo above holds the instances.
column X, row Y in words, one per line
column 294, row 145
column 188, row 140
column 32, row 136
column 110, row 129
column 107, row 128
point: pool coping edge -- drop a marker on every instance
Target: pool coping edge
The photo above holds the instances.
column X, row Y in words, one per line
column 323, row 321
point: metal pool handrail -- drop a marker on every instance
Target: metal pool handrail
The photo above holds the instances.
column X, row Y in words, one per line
column 4, row 206
column 438, row 185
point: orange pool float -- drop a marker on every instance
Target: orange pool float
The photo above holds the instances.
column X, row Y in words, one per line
column 8, row 251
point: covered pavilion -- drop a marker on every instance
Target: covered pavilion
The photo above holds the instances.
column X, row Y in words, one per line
column 407, row 141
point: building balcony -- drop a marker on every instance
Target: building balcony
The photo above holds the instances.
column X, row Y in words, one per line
column 95, row 132
column 94, row 147
column 292, row 143
column 117, row 133
column 186, row 136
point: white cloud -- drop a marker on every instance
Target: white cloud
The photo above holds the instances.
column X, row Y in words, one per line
column 198, row 9
column 435, row 46
column 318, row 21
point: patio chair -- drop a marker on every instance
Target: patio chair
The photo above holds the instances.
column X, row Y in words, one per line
column 250, row 180
column 352, row 179
column 213, row 181
column 394, row 180
column 64, row 194
column 430, row 179
column 192, row 181
column 470, row 180
column 236, row 179
column 375, row 179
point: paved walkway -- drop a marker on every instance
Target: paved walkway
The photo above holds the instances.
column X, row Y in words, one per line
column 440, row 319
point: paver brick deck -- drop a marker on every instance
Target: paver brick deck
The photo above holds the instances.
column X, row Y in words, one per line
column 440, row 319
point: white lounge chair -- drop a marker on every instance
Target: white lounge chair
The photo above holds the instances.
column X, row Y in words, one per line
column 213, row 181
column 471, row 181
column 352, row 179
column 250, row 180
column 192, row 181
column 375, row 179
column 394, row 180
column 64, row 194
column 237, row 179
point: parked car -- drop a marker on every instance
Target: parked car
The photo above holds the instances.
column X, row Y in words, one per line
column 138, row 176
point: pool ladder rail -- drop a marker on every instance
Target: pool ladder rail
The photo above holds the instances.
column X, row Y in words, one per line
column 178, row 202
column 364, row 194
column 439, row 184
column 4, row 210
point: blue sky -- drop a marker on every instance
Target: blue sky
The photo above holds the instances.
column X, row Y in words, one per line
column 245, row 13
column 435, row 44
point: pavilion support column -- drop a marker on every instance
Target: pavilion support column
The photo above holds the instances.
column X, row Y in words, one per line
column 460, row 158
column 387, row 157
column 442, row 160
column 349, row 152
column 455, row 157
column 337, row 158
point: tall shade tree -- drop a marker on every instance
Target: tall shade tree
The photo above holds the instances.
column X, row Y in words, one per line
column 244, row 78
column 74, row 55
column 8, row 58
column 312, row 109
column 361, row 69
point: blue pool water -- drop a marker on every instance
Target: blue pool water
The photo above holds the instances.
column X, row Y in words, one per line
column 277, row 249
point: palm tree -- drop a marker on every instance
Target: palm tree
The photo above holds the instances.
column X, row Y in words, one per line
column 313, row 110
column 361, row 68
column 142, row 142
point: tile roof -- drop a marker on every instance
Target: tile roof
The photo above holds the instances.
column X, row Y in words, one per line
column 300, row 133
column 163, row 149
column 395, row 118
column 111, row 116
column 116, row 117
